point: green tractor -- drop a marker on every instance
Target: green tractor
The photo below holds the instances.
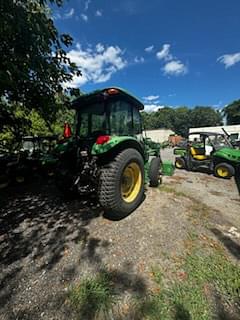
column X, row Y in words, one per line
column 211, row 151
column 107, row 154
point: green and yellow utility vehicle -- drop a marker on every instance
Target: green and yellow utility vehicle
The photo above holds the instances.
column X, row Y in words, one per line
column 107, row 153
column 211, row 151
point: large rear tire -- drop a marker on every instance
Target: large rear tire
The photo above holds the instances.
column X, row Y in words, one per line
column 121, row 185
column 224, row 170
column 154, row 172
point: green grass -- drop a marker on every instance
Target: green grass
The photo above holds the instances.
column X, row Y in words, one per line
column 93, row 296
column 169, row 189
column 191, row 294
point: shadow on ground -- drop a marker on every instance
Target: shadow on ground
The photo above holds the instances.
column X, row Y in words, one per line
column 237, row 179
column 37, row 225
column 223, row 310
column 230, row 245
column 39, row 222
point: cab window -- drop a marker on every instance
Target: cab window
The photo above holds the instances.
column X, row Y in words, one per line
column 120, row 118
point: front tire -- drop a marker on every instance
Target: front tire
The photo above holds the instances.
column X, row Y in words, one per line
column 121, row 185
column 224, row 170
column 180, row 163
column 154, row 172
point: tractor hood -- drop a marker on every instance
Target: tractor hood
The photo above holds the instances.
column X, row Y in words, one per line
column 229, row 154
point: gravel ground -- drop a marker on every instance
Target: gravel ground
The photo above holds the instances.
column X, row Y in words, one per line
column 47, row 244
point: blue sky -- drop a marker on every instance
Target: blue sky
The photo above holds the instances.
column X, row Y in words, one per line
column 166, row 52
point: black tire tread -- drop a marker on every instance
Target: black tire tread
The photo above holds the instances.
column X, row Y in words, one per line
column 107, row 193
column 228, row 166
column 154, row 171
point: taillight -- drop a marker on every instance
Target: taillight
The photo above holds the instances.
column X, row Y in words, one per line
column 112, row 91
column 102, row 139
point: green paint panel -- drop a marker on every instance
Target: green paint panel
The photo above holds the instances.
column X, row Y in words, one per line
column 180, row 152
column 228, row 154
column 167, row 168
column 98, row 149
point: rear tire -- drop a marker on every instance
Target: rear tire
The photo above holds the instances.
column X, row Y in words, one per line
column 224, row 170
column 154, row 172
column 121, row 185
column 180, row 163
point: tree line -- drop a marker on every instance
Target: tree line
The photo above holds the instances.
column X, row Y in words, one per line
column 182, row 118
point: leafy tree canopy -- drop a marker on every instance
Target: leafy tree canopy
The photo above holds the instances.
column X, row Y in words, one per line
column 182, row 118
column 34, row 65
column 232, row 112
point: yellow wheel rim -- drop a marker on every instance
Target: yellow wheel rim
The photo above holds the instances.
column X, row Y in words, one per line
column 222, row 172
column 131, row 182
column 178, row 164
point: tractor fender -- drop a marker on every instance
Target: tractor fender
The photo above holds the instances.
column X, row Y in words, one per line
column 115, row 145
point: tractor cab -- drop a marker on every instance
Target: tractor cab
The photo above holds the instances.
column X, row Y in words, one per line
column 103, row 115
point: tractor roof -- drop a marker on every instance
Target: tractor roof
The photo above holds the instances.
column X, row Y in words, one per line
column 97, row 95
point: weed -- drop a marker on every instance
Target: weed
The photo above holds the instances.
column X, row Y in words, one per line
column 92, row 296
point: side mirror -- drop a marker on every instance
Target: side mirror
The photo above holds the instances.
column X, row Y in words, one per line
column 67, row 132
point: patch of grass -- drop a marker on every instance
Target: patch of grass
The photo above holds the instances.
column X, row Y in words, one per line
column 217, row 270
column 190, row 295
column 166, row 188
column 93, row 296
column 169, row 189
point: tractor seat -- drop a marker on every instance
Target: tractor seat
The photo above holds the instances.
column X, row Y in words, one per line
column 196, row 154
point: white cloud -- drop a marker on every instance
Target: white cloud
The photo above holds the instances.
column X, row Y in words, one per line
column 151, row 98
column 97, row 65
column 86, row 5
column 69, row 14
column 66, row 15
column 175, row 68
column 152, row 107
column 100, row 48
column 229, row 60
column 164, row 53
column 149, row 49
column 84, row 17
column 98, row 13
column 138, row 59
column 57, row 16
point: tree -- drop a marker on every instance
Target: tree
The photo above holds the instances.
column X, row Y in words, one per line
column 180, row 121
column 204, row 117
column 232, row 112
column 159, row 119
column 34, row 64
